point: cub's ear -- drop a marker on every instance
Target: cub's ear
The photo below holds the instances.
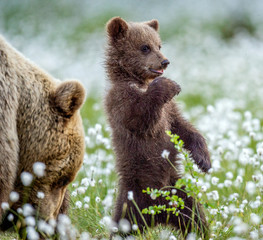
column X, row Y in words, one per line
column 68, row 97
column 117, row 28
column 154, row 24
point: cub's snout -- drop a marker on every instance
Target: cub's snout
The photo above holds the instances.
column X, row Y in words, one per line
column 165, row 63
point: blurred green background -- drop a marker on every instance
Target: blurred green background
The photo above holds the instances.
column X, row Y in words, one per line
column 211, row 44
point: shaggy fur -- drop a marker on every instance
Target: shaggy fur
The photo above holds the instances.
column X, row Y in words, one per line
column 140, row 109
column 39, row 122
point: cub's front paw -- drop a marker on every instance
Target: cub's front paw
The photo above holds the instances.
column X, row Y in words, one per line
column 199, row 152
column 165, row 87
column 202, row 159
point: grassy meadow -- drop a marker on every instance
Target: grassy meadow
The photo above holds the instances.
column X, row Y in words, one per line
column 216, row 54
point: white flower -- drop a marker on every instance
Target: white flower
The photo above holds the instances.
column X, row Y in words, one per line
column 174, row 191
column 86, row 206
column 26, row 178
column 240, row 228
column 74, row 194
column 215, row 195
column 255, row 219
column 191, row 236
column 92, row 132
column 165, row 153
column 39, row 169
column 245, row 201
column 214, row 180
column 32, row 234
column 134, row 227
column 64, row 220
column 78, row 204
column 30, row 221
column 97, row 199
column 108, row 201
column 4, row 206
column 239, row 179
column 85, row 182
column 164, row 234
column 14, row 197
column 87, row 199
column 124, row 225
column 254, row 234
column 213, row 211
column 260, row 151
column 52, row 222
column 210, row 108
column 229, row 175
column 98, row 127
column 218, row 224
column 92, row 182
column 45, row 227
column 248, row 115
column 172, row 237
column 10, row 217
column 153, row 196
column 250, row 187
column 40, row 195
column 204, row 188
column 74, row 185
column 19, row 211
column 255, row 178
column 114, row 229
column 255, row 204
column 107, row 221
column 85, row 236
column 81, row 190
column 28, row 210
column 227, row 183
column 130, row 195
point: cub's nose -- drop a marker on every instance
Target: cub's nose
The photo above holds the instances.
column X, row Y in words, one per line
column 165, row 63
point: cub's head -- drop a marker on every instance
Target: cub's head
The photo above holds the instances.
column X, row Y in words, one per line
column 135, row 48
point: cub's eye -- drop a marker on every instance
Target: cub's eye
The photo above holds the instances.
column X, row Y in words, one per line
column 145, row 49
column 160, row 47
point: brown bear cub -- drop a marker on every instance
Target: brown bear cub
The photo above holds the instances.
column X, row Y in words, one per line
column 140, row 109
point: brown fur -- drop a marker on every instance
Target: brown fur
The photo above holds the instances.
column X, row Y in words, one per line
column 39, row 122
column 140, row 109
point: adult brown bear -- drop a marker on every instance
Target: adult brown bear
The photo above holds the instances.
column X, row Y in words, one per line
column 39, row 122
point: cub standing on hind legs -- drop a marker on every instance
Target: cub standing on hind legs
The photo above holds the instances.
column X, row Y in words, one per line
column 140, row 109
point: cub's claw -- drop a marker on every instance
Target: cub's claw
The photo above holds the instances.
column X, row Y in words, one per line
column 199, row 152
column 202, row 160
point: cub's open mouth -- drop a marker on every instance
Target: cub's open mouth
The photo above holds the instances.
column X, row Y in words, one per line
column 160, row 72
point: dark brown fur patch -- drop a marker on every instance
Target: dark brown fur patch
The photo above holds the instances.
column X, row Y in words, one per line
column 140, row 108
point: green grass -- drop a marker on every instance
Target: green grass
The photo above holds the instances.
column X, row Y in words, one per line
column 89, row 219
